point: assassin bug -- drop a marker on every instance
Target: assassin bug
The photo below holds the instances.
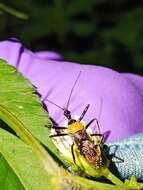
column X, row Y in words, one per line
column 92, row 151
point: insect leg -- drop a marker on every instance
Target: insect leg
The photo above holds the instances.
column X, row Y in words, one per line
column 84, row 112
column 55, row 127
column 113, row 155
column 97, row 123
column 103, row 139
column 120, row 159
column 90, row 123
column 72, row 151
column 58, row 127
column 98, row 127
column 96, row 134
column 58, row 135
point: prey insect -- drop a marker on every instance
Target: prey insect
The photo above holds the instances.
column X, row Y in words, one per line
column 90, row 149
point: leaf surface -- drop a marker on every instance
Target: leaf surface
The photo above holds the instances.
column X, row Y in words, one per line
column 18, row 98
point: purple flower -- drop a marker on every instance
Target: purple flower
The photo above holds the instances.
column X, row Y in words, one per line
column 115, row 99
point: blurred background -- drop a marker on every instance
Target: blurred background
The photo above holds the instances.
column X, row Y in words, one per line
column 101, row 32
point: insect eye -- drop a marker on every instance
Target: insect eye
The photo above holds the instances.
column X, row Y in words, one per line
column 71, row 121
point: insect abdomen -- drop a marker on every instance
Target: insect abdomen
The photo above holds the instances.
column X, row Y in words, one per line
column 91, row 152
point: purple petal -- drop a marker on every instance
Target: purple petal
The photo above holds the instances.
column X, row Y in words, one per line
column 48, row 55
column 115, row 99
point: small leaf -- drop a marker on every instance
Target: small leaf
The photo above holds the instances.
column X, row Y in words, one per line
column 13, row 12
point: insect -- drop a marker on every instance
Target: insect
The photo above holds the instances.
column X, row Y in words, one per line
column 86, row 145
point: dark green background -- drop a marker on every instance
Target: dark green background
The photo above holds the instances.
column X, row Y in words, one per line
column 101, row 32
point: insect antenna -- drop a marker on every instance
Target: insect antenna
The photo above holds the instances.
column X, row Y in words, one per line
column 72, row 90
column 55, row 104
column 67, row 113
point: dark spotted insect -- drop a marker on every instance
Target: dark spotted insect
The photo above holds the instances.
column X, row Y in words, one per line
column 92, row 151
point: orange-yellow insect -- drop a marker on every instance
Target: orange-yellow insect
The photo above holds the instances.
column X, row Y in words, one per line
column 87, row 147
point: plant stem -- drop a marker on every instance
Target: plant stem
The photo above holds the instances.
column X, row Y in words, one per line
column 88, row 184
column 106, row 173
column 13, row 12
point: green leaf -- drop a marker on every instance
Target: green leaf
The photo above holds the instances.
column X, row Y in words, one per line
column 15, row 91
column 25, row 164
column 8, row 179
column 18, row 96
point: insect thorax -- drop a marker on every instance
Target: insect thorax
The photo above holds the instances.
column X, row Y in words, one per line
column 74, row 127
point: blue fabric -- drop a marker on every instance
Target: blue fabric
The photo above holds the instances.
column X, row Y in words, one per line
column 129, row 153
